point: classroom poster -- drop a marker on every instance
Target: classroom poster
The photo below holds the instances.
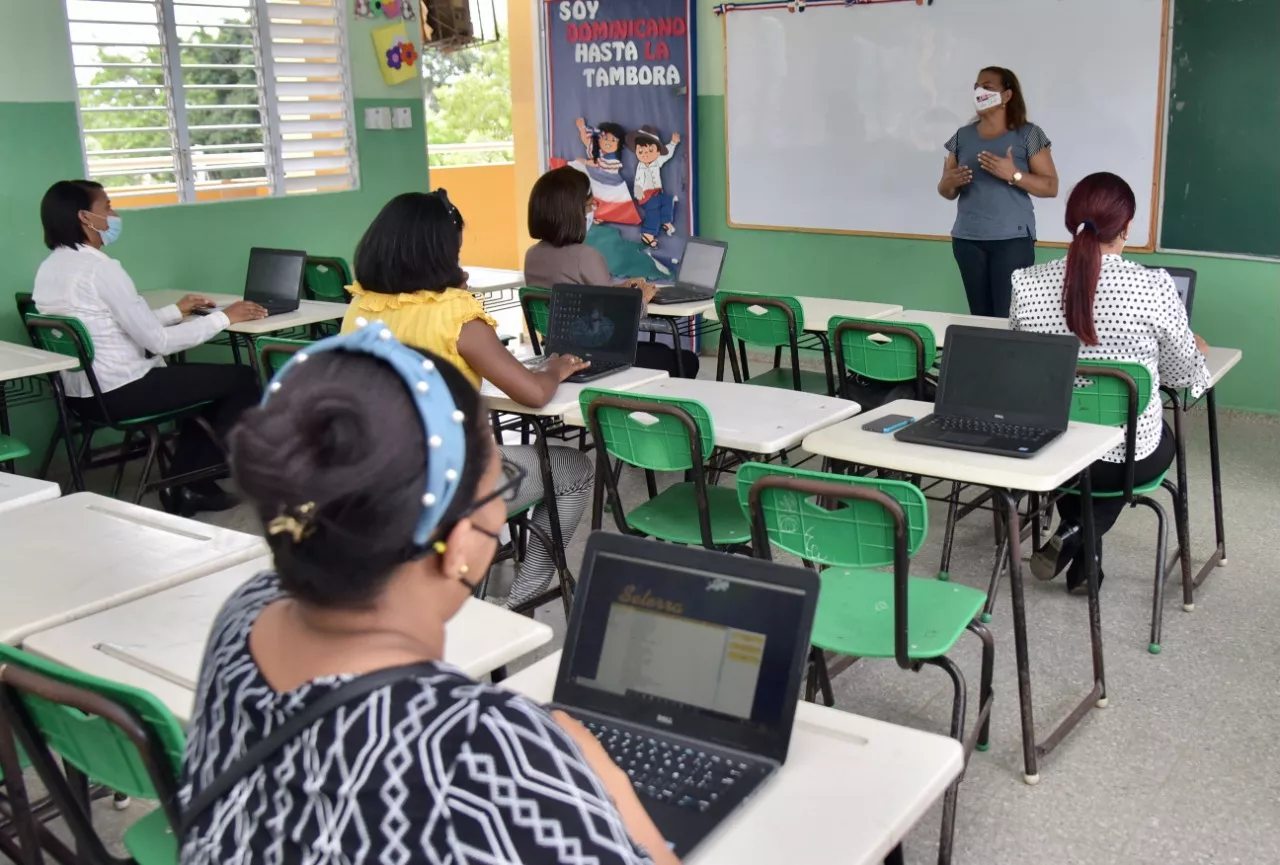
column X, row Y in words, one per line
column 619, row 75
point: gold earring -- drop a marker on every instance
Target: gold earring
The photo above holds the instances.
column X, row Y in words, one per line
column 439, row 547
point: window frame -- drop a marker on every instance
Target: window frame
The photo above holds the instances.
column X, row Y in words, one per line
column 269, row 106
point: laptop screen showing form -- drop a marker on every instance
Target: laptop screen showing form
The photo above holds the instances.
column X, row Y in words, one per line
column 689, row 649
column 701, row 264
column 1013, row 377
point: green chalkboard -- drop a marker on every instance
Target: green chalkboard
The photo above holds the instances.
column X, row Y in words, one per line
column 1222, row 155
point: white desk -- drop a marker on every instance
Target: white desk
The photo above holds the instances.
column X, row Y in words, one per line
column 939, row 321
column 850, row 790
column 748, row 417
column 1060, row 462
column 566, row 396
column 17, row 491
column 158, row 642
column 818, row 311
column 308, row 312
column 1220, row 362
column 1054, row 466
column 21, row 361
column 483, row 280
column 74, row 556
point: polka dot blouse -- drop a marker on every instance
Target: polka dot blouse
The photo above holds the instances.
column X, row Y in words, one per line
column 1138, row 317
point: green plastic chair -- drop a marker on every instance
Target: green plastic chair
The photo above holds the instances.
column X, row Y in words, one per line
column 664, row 434
column 536, row 305
column 1114, row 393
column 68, row 336
column 105, row 733
column 881, row 351
column 274, row 353
column 849, row 527
column 776, row 322
column 327, row 278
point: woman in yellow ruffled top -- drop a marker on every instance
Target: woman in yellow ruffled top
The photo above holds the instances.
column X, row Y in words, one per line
column 409, row 277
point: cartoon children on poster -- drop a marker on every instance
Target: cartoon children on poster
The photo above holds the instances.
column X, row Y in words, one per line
column 657, row 208
column 646, row 204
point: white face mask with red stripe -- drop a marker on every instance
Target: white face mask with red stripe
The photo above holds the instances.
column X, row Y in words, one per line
column 984, row 98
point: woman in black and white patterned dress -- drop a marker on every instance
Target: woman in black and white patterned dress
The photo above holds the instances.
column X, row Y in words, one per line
column 1120, row 311
column 383, row 494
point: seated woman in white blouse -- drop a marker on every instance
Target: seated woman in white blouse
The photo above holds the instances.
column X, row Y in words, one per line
column 130, row 340
column 1120, row 311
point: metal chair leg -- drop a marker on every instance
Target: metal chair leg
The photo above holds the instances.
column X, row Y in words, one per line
column 1183, row 530
column 947, row 839
column 124, row 452
column 986, row 694
column 1162, row 547
column 949, row 533
column 153, row 448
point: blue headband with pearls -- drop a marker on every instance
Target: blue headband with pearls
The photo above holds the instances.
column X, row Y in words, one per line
column 442, row 421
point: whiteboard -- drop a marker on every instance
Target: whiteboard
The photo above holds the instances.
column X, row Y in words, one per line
column 836, row 116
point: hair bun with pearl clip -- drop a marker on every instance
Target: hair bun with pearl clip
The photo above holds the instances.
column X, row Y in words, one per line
column 443, row 424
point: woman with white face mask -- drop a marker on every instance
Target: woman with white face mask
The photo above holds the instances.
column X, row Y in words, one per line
column 993, row 168
column 131, row 341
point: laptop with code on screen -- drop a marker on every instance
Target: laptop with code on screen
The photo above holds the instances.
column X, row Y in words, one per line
column 686, row 665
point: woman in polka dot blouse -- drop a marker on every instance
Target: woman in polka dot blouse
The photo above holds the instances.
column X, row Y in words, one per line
column 1121, row 311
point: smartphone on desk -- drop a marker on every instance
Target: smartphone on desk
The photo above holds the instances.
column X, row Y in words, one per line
column 890, row 423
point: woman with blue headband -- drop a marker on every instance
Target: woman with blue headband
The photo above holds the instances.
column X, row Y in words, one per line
column 327, row 727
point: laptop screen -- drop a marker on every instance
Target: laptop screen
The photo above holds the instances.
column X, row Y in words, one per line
column 701, row 263
column 275, row 276
column 594, row 322
column 671, row 645
column 1008, row 376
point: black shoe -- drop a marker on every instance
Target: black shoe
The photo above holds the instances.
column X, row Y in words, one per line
column 1076, row 582
column 1057, row 553
column 188, row 502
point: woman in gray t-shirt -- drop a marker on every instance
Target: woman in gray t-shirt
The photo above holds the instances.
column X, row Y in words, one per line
column 994, row 165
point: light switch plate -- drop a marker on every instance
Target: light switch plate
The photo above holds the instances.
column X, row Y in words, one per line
column 377, row 118
column 402, row 118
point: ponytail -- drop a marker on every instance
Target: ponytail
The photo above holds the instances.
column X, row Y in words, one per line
column 1084, row 263
column 1099, row 210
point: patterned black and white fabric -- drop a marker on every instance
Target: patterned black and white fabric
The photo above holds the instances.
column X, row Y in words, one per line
column 1137, row 316
column 433, row 769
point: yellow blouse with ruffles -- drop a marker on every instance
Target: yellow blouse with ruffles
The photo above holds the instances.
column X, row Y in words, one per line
column 424, row 319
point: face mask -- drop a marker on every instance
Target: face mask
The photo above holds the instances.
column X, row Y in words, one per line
column 591, row 217
column 985, row 99
column 111, row 233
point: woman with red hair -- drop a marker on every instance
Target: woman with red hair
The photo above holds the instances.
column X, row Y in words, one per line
column 1119, row 310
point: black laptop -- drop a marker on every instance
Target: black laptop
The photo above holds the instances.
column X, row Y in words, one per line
column 273, row 281
column 1000, row 392
column 686, row 665
column 699, row 272
column 1184, row 279
column 597, row 323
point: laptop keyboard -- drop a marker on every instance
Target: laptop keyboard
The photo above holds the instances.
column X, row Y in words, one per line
column 597, row 367
column 987, row 428
column 685, row 777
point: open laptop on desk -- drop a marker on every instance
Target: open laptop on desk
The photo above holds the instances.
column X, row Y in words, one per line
column 599, row 323
column 1000, row 392
column 274, row 280
column 686, row 665
column 698, row 275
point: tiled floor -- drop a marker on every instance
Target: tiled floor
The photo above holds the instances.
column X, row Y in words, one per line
column 1182, row 767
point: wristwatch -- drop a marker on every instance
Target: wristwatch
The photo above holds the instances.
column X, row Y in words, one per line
column 1017, row 178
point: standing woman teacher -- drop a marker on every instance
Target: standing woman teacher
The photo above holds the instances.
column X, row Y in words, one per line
column 994, row 166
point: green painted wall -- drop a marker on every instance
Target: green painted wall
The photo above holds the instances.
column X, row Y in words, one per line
column 196, row 247
column 1237, row 302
